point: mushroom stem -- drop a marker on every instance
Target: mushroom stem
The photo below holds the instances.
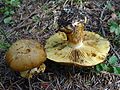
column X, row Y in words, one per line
column 31, row 72
column 75, row 38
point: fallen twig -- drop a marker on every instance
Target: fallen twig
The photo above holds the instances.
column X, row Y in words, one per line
column 116, row 53
column 3, row 88
column 30, row 87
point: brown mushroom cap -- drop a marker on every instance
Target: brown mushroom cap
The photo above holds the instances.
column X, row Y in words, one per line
column 25, row 54
column 92, row 51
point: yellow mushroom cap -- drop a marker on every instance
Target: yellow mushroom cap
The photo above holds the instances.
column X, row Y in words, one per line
column 92, row 51
column 25, row 55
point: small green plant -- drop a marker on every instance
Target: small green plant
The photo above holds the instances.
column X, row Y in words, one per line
column 4, row 44
column 114, row 27
column 114, row 21
column 8, row 20
column 111, row 66
column 9, row 9
column 109, row 6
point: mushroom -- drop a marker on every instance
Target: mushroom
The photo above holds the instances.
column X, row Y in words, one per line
column 79, row 47
column 26, row 57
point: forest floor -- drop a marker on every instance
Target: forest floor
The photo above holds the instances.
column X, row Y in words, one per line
column 34, row 19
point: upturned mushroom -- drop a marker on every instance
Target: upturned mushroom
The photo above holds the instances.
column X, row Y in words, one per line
column 79, row 47
column 26, row 57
